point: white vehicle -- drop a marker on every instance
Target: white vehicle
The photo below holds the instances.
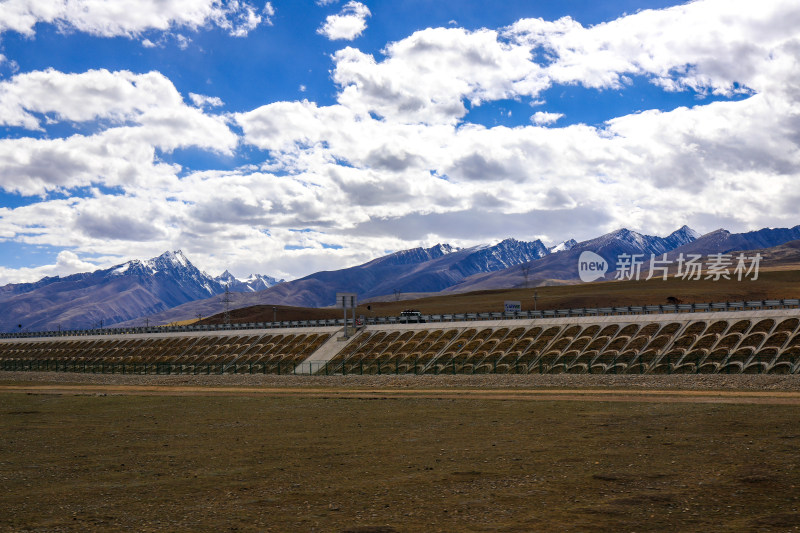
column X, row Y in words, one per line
column 411, row 315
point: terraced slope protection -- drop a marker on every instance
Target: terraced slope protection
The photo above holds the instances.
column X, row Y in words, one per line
column 766, row 341
column 688, row 343
column 259, row 351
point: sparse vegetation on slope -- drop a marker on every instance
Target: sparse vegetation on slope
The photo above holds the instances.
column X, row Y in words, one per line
column 770, row 285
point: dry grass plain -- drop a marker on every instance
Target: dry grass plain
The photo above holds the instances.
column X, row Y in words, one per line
column 775, row 284
column 392, row 462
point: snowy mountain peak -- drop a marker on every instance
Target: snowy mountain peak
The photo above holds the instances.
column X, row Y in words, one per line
column 522, row 248
column 169, row 261
column 630, row 237
column 176, row 266
column 124, row 267
column 506, row 253
column 563, row 246
column 686, row 232
column 417, row 255
column 628, row 241
column 442, row 249
column 226, row 277
column 252, row 283
column 684, row 235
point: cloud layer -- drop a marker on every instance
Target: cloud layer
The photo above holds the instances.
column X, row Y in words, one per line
column 395, row 161
column 134, row 115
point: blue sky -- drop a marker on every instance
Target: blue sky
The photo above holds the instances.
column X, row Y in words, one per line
column 131, row 127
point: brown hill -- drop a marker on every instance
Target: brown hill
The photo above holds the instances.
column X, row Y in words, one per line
column 265, row 313
column 782, row 257
column 772, row 284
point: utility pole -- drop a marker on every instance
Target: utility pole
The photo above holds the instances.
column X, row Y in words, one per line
column 227, row 301
column 397, row 295
column 535, row 297
column 274, row 314
column 526, row 269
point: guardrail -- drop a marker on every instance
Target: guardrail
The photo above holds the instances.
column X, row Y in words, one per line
column 461, row 317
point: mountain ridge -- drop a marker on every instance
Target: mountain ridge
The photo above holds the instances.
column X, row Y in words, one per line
column 562, row 265
column 168, row 288
column 413, row 270
column 128, row 291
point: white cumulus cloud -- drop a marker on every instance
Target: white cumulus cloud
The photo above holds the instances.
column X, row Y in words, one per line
column 541, row 118
column 134, row 114
column 430, row 75
column 67, row 262
column 348, row 24
column 201, row 100
column 110, row 18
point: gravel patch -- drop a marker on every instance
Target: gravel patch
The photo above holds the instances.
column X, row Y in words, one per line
column 753, row 382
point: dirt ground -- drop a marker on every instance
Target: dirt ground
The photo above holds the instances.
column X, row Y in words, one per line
column 589, row 395
column 396, row 455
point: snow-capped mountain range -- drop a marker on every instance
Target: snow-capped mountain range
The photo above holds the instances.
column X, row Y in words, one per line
column 625, row 238
column 252, row 283
column 561, row 263
column 415, row 255
column 409, row 271
column 121, row 293
column 177, row 264
column 172, row 264
column 168, row 288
